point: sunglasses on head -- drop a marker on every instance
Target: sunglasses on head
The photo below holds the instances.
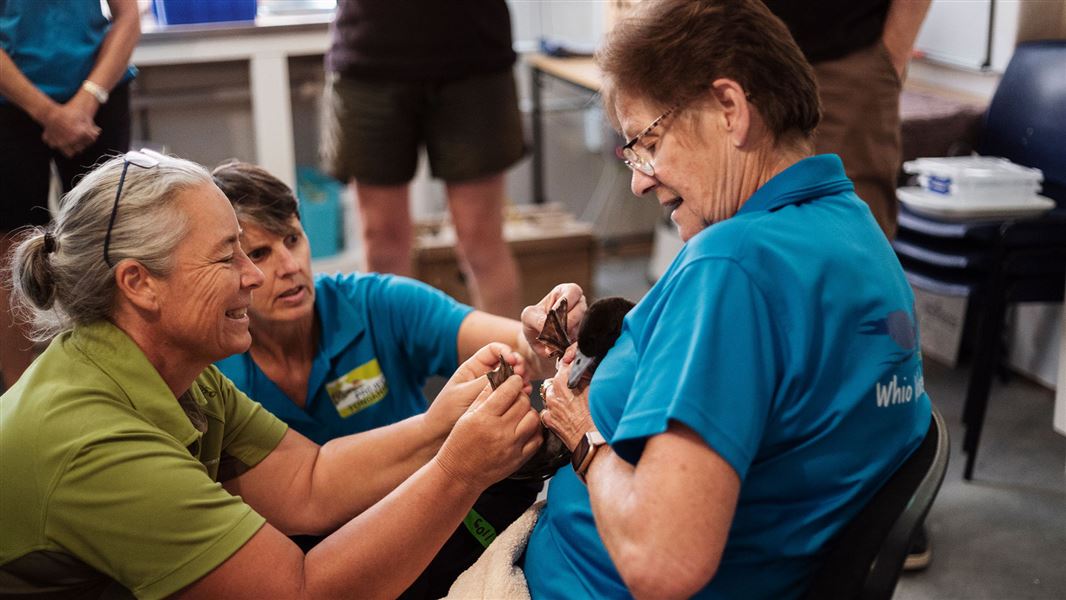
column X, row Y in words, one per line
column 143, row 158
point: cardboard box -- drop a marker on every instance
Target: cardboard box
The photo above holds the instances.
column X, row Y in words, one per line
column 941, row 320
column 549, row 244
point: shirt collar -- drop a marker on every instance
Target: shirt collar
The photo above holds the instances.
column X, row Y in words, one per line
column 341, row 322
column 116, row 354
column 808, row 179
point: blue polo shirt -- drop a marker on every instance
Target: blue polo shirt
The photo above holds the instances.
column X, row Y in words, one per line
column 54, row 42
column 786, row 338
column 381, row 337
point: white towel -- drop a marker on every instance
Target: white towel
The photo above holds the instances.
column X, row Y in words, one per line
column 495, row 575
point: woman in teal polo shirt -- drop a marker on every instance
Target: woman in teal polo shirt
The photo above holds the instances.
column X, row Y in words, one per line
column 333, row 355
column 770, row 381
column 64, row 101
column 131, row 466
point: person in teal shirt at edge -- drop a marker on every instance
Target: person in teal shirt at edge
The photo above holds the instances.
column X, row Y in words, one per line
column 770, row 382
column 333, row 355
column 65, row 78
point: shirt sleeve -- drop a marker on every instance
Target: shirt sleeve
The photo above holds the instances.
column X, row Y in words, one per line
column 424, row 322
column 706, row 359
column 252, row 432
column 135, row 505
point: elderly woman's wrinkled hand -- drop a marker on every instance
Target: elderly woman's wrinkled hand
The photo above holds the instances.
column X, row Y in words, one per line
column 467, row 382
column 496, row 435
column 566, row 412
column 534, row 317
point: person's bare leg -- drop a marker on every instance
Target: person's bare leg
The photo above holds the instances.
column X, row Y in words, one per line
column 385, row 226
column 16, row 352
column 485, row 258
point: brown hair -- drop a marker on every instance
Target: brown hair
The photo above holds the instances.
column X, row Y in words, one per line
column 670, row 51
column 257, row 196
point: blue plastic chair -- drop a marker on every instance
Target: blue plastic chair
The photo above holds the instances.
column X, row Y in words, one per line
column 997, row 263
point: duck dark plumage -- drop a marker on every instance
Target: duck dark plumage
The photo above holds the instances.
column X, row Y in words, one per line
column 597, row 333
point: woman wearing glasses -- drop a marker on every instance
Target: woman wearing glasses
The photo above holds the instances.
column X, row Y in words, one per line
column 770, row 381
column 132, row 466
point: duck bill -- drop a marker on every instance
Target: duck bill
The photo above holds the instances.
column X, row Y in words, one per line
column 581, row 370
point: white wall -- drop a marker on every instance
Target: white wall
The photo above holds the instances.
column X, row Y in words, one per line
column 958, row 32
column 578, row 22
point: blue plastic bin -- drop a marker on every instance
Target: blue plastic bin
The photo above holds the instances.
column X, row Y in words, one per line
column 179, row 12
column 321, row 211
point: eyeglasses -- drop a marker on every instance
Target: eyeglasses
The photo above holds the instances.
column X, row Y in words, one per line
column 637, row 157
column 145, row 159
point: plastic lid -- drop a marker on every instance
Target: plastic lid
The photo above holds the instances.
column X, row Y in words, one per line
column 972, row 167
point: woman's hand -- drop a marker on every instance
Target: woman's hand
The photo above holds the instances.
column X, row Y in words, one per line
column 69, row 127
column 566, row 413
column 496, row 435
column 467, row 382
column 533, row 317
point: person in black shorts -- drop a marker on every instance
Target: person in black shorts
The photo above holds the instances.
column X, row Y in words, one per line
column 405, row 75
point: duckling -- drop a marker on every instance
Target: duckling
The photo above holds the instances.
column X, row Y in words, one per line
column 597, row 333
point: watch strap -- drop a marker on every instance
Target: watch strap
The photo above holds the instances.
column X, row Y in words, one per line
column 585, row 451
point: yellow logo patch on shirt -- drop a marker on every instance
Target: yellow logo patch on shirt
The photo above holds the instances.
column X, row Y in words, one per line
column 360, row 388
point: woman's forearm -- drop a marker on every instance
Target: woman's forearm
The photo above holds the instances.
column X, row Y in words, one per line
column 388, row 455
column 302, row 488
column 902, row 24
column 375, row 555
column 480, row 328
column 117, row 47
column 665, row 521
column 379, row 552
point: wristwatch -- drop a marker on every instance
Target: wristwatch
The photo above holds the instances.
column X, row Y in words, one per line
column 583, row 454
column 95, row 90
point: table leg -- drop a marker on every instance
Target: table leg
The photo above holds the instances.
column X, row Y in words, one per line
column 537, row 80
column 1060, row 388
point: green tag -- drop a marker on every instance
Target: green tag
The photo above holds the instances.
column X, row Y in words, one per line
column 479, row 528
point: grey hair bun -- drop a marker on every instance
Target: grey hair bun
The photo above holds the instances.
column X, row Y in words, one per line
column 31, row 269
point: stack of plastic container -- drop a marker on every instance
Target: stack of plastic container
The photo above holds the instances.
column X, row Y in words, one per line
column 973, row 187
column 975, row 178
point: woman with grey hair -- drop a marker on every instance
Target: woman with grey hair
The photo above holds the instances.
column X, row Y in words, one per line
column 132, row 466
column 770, row 382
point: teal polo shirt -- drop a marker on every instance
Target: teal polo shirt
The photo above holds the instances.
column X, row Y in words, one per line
column 110, row 483
column 381, row 337
column 785, row 337
column 54, row 42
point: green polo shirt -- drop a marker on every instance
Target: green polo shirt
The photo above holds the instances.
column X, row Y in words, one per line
column 109, row 484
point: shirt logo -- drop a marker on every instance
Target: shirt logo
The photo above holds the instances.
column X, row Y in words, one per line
column 359, row 389
column 902, row 329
